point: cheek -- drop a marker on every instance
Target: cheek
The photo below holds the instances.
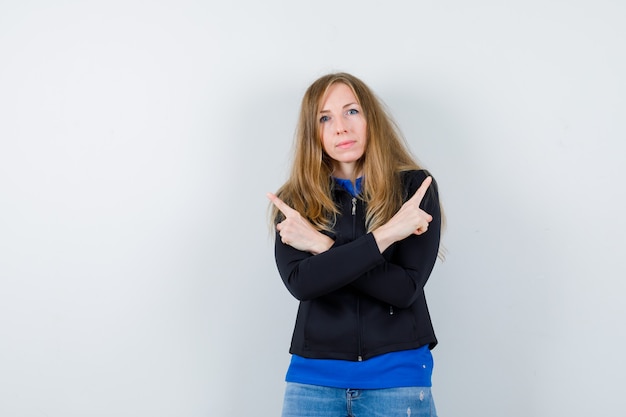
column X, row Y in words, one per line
column 325, row 142
column 363, row 132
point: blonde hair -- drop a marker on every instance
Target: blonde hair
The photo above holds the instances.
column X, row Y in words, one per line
column 386, row 156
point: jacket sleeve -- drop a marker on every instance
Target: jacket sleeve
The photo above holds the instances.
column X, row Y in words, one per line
column 401, row 277
column 395, row 277
column 308, row 276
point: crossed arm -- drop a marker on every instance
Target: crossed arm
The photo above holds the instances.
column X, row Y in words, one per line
column 311, row 265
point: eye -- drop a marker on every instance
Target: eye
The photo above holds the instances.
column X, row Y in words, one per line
column 353, row 111
column 324, row 119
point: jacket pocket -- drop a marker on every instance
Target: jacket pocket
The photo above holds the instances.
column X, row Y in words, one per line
column 386, row 325
column 331, row 325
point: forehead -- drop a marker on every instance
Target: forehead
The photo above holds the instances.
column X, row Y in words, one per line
column 338, row 94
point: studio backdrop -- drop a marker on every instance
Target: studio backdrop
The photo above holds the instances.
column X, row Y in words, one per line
column 138, row 140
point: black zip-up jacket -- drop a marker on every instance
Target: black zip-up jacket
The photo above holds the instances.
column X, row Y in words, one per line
column 356, row 303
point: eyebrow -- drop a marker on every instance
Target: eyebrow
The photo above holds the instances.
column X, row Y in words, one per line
column 347, row 105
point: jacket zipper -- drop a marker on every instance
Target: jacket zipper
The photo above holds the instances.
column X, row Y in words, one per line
column 353, row 217
column 358, row 300
column 358, row 322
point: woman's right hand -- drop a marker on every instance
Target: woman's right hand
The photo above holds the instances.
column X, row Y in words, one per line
column 410, row 219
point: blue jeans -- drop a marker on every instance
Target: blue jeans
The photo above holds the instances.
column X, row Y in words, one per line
column 314, row 401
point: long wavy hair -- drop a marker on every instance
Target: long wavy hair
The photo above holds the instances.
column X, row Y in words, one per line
column 308, row 189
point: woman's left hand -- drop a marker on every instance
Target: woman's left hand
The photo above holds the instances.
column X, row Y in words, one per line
column 298, row 232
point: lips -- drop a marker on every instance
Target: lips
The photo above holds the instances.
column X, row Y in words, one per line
column 346, row 144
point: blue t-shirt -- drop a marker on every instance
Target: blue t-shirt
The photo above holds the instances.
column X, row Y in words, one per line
column 406, row 368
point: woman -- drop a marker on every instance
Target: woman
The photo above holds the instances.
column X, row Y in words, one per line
column 358, row 227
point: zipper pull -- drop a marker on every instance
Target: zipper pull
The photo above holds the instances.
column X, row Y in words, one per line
column 353, row 206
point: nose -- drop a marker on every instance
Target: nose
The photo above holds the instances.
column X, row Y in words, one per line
column 340, row 126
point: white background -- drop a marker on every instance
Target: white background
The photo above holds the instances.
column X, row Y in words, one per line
column 138, row 140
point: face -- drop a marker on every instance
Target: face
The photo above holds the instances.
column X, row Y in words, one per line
column 343, row 129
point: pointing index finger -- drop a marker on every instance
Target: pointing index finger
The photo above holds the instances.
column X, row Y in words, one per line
column 280, row 205
column 421, row 191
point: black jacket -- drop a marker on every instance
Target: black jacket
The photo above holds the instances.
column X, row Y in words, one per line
column 355, row 302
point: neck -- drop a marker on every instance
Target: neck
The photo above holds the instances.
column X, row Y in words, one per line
column 346, row 171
